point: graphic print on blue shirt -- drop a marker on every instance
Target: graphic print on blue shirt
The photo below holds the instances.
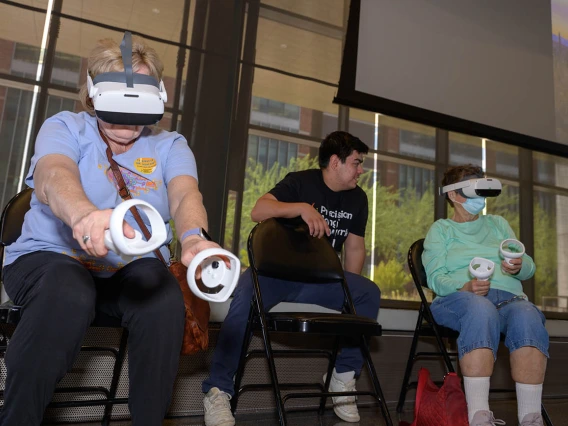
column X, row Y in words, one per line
column 135, row 183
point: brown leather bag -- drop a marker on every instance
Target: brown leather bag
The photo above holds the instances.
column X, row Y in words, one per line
column 196, row 329
column 197, row 311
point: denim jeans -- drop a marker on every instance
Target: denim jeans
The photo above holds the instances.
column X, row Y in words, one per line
column 365, row 294
column 480, row 321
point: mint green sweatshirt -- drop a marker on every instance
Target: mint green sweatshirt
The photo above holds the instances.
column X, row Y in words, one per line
column 450, row 246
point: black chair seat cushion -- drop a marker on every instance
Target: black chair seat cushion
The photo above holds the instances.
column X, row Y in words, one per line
column 10, row 314
column 428, row 331
column 322, row 323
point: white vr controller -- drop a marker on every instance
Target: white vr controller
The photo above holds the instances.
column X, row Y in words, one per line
column 511, row 249
column 481, row 268
column 128, row 248
column 215, row 275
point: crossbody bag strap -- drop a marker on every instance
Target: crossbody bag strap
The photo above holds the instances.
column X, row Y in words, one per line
column 125, row 195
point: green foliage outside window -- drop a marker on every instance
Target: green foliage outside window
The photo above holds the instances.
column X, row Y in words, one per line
column 545, row 240
column 257, row 183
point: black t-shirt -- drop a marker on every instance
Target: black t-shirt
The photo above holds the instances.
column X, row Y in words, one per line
column 344, row 211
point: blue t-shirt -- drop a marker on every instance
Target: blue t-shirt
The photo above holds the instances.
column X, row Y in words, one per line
column 147, row 167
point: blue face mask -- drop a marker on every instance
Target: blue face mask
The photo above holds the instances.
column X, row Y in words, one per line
column 473, row 205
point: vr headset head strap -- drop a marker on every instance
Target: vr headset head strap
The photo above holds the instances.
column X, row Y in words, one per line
column 126, row 52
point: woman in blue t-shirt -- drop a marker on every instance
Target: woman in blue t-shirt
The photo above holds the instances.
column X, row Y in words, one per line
column 483, row 310
column 60, row 271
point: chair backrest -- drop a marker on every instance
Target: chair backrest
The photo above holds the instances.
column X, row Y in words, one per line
column 284, row 249
column 415, row 263
column 419, row 274
column 12, row 218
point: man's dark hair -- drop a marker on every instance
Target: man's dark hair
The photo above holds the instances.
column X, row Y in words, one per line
column 341, row 144
column 460, row 173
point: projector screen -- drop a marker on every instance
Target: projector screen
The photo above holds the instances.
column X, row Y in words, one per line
column 493, row 69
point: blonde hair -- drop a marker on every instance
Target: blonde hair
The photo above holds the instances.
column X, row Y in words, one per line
column 106, row 57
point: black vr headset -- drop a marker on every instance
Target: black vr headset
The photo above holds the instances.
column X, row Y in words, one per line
column 127, row 97
column 475, row 188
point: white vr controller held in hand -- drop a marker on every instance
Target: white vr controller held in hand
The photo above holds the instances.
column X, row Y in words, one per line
column 215, row 274
column 511, row 249
column 127, row 248
column 481, row 268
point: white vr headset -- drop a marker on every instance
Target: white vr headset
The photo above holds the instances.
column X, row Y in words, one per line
column 127, row 97
column 475, row 188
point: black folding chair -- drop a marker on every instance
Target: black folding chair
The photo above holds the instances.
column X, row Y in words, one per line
column 288, row 252
column 10, row 229
column 426, row 326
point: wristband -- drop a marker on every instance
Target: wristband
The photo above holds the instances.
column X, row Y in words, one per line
column 195, row 231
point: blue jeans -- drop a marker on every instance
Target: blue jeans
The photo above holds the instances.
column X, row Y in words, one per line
column 481, row 320
column 365, row 294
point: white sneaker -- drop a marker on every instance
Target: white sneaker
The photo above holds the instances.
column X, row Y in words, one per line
column 344, row 407
column 532, row 419
column 485, row 418
column 218, row 408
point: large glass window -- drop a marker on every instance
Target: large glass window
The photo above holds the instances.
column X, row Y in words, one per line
column 401, row 210
column 465, row 149
column 550, row 170
column 406, row 138
column 262, row 175
column 16, row 122
column 329, row 11
column 24, row 29
column 157, row 19
column 296, row 50
column 551, row 244
column 295, row 105
column 496, row 158
column 507, row 205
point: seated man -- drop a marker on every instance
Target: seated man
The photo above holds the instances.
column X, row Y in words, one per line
column 332, row 205
column 483, row 310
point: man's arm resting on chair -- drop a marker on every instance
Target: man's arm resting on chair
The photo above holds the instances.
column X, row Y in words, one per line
column 268, row 206
column 354, row 253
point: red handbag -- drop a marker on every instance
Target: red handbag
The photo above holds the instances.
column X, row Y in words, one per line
column 445, row 406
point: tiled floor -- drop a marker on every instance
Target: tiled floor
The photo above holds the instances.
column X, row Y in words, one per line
column 505, row 410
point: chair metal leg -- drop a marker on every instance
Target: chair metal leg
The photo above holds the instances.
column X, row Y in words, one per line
column 410, row 362
column 257, row 300
column 545, row 416
column 118, row 362
column 375, row 381
column 272, row 369
column 242, row 360
column 328, row 375
column 440, row 342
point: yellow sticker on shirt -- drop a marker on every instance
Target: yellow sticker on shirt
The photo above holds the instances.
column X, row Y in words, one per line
column 145, row 165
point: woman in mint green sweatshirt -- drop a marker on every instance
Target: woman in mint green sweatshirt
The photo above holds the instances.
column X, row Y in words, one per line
column 483, row 310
